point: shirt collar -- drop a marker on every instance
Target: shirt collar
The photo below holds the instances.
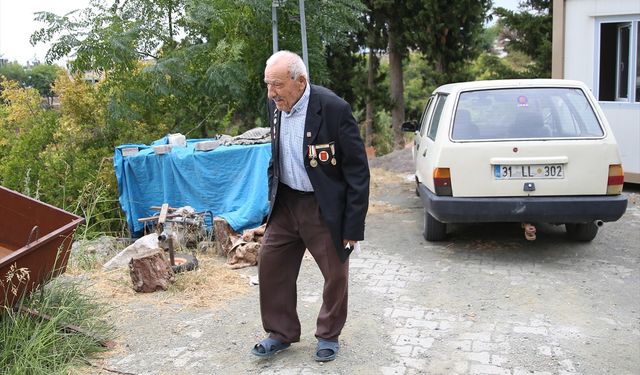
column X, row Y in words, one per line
column 302, row 102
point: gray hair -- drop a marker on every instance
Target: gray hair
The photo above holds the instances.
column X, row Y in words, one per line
column 294, row 63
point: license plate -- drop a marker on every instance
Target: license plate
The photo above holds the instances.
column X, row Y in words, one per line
column 516, row 172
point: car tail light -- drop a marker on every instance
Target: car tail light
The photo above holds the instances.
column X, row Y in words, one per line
column 616, row 179
column 442, row 181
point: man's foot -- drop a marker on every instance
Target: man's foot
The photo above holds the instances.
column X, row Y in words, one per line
column 326, row 350
column 268, row 347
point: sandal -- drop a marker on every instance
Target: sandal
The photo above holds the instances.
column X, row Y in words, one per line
column 326, row 350
column 268, row 347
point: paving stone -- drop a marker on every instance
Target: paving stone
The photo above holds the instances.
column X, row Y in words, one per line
column 488, row 369
column 403, row 350
column 397, row 370
column 531, row 330
column 420, row 323
column 476, row 336
column 483, row 358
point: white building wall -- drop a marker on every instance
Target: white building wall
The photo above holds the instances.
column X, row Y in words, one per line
column 581, row 63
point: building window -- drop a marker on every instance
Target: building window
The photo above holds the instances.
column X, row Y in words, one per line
column 619, row 68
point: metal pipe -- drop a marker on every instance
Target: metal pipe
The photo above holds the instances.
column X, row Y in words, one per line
column 274, row 25
column 303, row 32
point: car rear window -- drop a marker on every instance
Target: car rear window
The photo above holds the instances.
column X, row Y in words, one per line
column 525, row 113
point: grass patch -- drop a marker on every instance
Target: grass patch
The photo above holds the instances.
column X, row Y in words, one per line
column 32, row 345
column 213, row 284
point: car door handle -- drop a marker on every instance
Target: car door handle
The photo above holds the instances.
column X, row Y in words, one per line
column 424, row 153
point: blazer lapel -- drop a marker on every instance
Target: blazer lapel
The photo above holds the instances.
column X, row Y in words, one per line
column 312, row 121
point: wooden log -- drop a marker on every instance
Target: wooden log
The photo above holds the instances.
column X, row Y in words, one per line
column 163, row 213
column 224, row 236
column 150, row 272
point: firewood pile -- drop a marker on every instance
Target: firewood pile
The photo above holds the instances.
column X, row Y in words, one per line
column 241, row 250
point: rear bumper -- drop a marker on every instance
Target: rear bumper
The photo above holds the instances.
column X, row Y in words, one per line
column 573, row 209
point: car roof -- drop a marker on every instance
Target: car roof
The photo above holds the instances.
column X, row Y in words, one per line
column 508, row 83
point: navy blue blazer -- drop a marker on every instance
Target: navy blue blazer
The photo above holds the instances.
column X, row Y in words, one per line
column 342, row 186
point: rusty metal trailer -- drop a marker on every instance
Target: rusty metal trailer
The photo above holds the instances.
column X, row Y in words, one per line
column 35, row 242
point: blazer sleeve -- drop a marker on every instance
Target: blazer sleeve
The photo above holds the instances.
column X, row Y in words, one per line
column 355, row 169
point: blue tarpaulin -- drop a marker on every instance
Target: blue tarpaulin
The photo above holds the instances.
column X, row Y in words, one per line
column 229, row 181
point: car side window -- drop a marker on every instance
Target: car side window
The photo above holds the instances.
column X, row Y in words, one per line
column 437, row 113
column 425, row 116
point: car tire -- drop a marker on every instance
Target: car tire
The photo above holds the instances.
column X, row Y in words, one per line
column 434, row 230
column 582, row 231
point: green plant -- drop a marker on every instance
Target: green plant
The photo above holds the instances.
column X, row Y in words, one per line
column 32, row 344
column 383, row 134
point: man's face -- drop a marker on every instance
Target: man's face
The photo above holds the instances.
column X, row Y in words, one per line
column 283, row 90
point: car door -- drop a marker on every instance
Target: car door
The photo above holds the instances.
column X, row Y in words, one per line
column 428, row 132
column 422, row 126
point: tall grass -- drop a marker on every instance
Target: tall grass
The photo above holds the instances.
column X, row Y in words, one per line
column 33, row 345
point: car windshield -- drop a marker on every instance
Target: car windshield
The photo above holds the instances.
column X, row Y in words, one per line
column 524, row 113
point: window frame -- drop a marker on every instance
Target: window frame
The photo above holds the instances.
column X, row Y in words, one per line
column 633, row 81
column 434, row 123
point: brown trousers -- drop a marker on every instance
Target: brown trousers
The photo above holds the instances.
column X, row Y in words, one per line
column 295, row 225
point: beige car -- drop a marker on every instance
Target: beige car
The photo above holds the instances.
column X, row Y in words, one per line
column 529, row 151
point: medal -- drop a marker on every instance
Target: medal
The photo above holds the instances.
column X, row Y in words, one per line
column 333, row 153
column 312, row 155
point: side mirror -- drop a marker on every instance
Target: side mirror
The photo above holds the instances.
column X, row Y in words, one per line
column 410, row 126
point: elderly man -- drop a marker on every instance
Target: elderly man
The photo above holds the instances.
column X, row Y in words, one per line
column 318, row 194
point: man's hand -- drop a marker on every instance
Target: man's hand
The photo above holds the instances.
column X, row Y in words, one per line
column 349, row 244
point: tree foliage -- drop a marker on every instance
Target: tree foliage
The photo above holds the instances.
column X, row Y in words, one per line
column 196, row 67
column 446, row 33
column 25, row 130
column 530, row 31
column 207, row 57
column 13, row 71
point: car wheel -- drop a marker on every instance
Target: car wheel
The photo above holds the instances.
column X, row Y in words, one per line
column 582, row 231
column 434, row 230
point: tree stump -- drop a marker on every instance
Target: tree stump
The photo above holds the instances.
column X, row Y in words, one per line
column 150, row 272
column 224, row 235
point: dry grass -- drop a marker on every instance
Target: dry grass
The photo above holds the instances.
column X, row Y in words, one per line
column 213, row 284
column 210, row 286
column 382, row 181
column 381, row 177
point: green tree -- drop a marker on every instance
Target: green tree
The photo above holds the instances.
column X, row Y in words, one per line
column 211, row 78
column 446, row 33
column 530, row 30
column 449, row 35
column 41, row 77
column 14, row 72
column 25, row 130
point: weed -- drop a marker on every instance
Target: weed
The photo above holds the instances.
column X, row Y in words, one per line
column 35, row 345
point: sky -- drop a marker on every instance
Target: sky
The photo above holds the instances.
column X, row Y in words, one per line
column 17, row 25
